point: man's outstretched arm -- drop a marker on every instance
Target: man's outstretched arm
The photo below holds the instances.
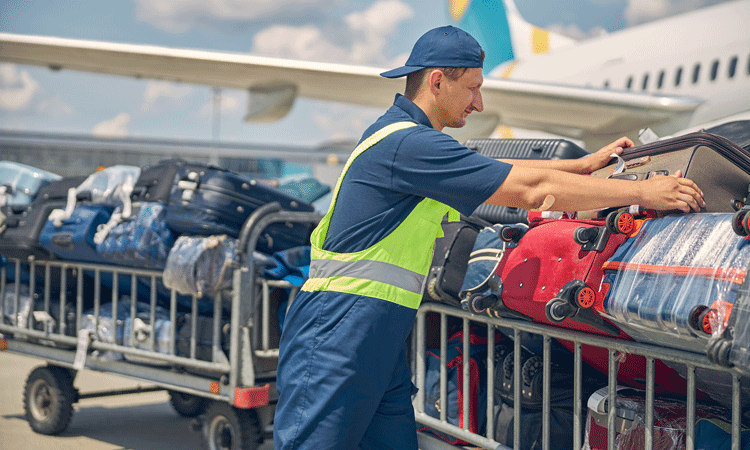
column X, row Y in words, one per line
column 554, row 190
column 588, row 164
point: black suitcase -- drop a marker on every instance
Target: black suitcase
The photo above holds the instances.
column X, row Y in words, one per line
column 155, row 182
column 520, row 149
column 24, row 224
column 450, row 259
column 208, row 200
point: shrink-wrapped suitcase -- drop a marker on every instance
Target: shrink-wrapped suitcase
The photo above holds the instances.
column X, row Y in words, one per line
column 20, row 183
column 209, row 200
column 520, row 149
column 73, row 238
column 670, row 426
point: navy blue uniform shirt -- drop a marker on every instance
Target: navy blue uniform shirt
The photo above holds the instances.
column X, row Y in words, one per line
column 387, row 181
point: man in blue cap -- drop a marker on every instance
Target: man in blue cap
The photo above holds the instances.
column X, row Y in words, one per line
column 343, row 378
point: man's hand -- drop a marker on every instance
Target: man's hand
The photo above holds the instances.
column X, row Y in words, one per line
column 666, row 193
column 603, row 156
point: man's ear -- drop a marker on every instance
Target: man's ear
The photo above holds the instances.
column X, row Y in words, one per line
column 435, row 79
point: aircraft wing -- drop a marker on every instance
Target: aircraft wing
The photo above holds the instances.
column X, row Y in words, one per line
column 273, row 84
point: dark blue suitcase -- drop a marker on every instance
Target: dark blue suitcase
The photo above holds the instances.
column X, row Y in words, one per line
column 209, row 200
column 74, row 239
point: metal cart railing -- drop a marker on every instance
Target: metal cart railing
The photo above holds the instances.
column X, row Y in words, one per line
column 232, row 390
column 548, row 334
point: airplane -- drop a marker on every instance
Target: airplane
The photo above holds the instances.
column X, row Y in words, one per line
column 666, row 75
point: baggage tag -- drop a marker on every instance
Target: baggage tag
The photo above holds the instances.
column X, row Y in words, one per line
column 81, row 350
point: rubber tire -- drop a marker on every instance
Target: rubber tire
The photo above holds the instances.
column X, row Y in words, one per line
column 225, row 427
column 188, row 405
column 737, row 223
column 48, row 398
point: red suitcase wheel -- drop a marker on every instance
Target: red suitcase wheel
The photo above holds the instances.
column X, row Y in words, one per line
column 695, row 318
column 737, row 223
column 624, row 222
column 707, row 317
column 585, row 297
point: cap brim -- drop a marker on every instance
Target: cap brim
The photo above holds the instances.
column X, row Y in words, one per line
column 400, row 72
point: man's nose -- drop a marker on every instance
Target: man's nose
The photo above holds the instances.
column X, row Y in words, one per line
column 477, row 103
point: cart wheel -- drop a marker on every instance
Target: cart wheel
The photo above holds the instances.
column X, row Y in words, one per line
column 584, row 297
column 737, row 222
column 48, row 399
column 187, row 405
column 229, row 428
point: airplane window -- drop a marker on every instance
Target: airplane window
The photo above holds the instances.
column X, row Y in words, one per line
column 748, row 64
column 714, row 69
column 696, row 72
column 645, row 81
column 629, row 84
column 606, row 84
column 678, row 76
column 732, row 66
column 660, row 80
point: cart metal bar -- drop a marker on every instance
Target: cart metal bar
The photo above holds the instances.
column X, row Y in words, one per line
column 616, row 349
column 443, row 365
column 466, row 378
column 135, row 390
column 650, row 385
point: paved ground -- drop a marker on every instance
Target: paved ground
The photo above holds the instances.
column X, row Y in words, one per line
column 140, row 421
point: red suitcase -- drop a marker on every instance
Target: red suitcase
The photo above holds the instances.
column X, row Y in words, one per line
column 553, row 274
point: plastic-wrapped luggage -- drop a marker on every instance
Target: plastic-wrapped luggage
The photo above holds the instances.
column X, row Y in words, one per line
column 20, row 183
column 200, row 265
column 520, row 149
column 670, row 430
column 73, row 238
column 141, row 240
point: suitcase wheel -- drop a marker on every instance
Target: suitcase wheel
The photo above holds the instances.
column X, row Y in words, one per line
column 530, row 368
column 740, row 222
column 621, row 222
column 695, row 320
column 708, row 317
column 584, row 297
column 557, row 310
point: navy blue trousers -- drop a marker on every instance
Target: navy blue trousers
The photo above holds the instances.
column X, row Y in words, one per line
column 343, row 378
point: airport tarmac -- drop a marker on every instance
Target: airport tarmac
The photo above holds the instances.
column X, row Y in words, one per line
column 144, row 421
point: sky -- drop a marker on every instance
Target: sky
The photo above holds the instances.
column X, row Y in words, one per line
column 376, row 33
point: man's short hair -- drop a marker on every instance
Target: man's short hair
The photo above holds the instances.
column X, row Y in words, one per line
column 414, row 80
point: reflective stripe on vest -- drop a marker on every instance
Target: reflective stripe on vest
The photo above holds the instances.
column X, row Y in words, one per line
column 395, row 268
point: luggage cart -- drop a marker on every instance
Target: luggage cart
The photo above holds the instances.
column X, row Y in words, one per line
column 440, row 315
column 231, row 393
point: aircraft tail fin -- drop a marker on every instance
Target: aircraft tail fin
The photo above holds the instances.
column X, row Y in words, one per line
column 501, row 30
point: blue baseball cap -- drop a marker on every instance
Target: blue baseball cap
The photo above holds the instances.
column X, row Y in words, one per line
column 446, row 46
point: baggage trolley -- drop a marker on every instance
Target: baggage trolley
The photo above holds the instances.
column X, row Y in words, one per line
column 432, row 329
column 231, row 392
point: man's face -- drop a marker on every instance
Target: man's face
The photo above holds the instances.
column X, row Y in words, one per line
column 460, row 98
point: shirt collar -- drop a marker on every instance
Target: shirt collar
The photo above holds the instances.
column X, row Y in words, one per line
column 414, row 111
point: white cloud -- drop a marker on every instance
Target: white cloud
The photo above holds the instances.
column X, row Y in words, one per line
column 114, row 128
column 641, row 11
column 367, row 34
column 55, row 107
column 156, row 90
column 342, row 122
column 180, row 15
column 17, row 88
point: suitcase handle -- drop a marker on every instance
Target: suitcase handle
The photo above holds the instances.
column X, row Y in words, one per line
column 63, row 240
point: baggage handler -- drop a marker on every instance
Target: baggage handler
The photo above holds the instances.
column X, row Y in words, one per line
column 343, row 377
